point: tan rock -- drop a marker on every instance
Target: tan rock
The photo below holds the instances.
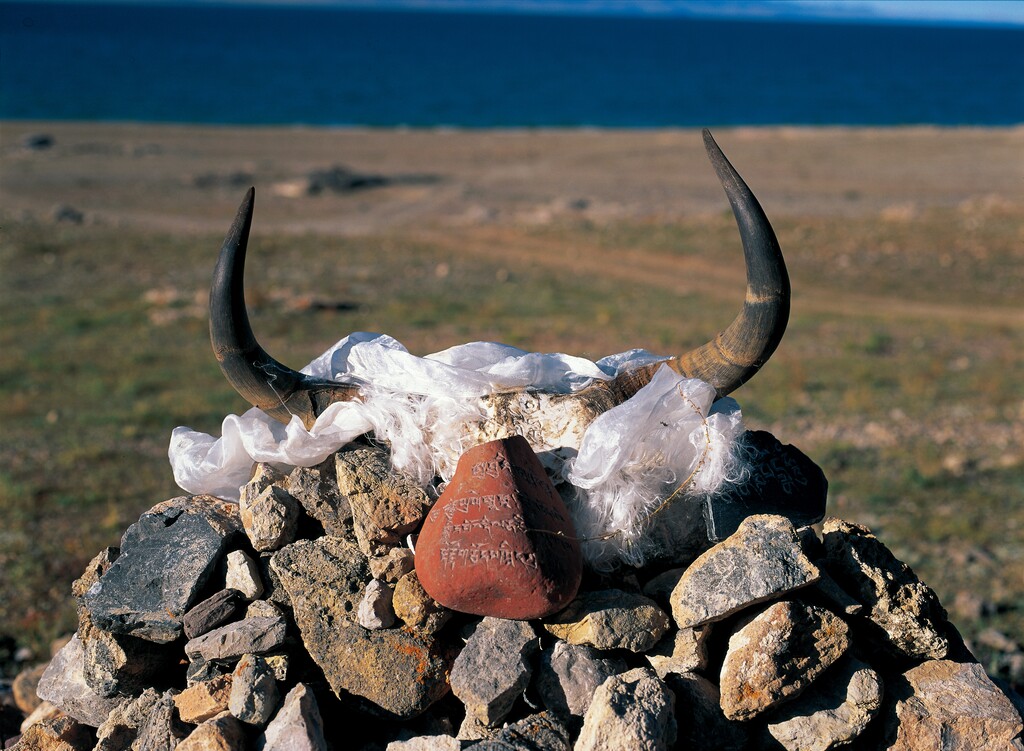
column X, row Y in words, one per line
column 270, row 518
column 954, row 707
column 386, row 504
column 24, row 688
column 777, row 655
column 201, row 701
column 761, row 561
column 44, row 712
column 416, row 608
column 832, row 712
column 632, row 710
column 611, row 619
column 908, row 614
column 685, row 651
column 220, row 733
column 60, row 733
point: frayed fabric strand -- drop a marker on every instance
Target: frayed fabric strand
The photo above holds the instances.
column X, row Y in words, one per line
column 670, row 443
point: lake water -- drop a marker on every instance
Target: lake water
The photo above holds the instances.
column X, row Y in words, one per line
column 238, row 64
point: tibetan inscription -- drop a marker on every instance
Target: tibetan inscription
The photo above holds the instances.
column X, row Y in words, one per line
column 499, row 541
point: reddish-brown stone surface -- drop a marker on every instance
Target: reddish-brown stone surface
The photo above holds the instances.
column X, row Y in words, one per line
column 499, row 541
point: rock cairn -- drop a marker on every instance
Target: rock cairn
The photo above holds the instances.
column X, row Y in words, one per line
column 296, row 620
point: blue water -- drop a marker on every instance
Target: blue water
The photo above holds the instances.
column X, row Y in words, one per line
column 285, row 65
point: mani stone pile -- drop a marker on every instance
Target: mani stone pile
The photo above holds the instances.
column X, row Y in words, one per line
column 297, row 619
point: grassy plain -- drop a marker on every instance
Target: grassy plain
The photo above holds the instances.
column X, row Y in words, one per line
column 901, row 374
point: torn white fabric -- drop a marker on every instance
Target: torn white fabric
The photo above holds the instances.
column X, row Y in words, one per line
column 631, row 457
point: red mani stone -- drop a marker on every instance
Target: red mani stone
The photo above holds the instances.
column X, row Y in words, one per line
column 499, row 541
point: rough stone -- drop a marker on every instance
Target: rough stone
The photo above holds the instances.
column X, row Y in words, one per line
column 119, row 731
column 120, row 664
column 220, row 733
column 500, row 541
column 780, row 480
column 776, row 655
column 254, row 695
column 63, row 684
column 166, row 558
column 24, row 688
column 569, row 674
column 60, row 733
column 426, row 743
column 160, row 729
column 832, row 712
column 494, row 669
column 376, row 609
column 761, row 561
column 840, row 600
column 699, row 717
column 251, row 635
column 630, row 711
column 201, row 701
column 908, row 615
column 386, row 504
column 684, row 651
column 243, row 575
column 212, row 612
column 416, row 608
column 297, row 726
column 325, row 580
column 316, row 489
column 393, row 565
column 611, row 619
column 954, row 707
column 270, row 517
column 44, row 712
column 659, row 588
column 263, row 609
column 538, row 732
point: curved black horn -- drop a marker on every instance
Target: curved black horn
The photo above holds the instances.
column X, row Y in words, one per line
column 261, row 380
column 736, row 354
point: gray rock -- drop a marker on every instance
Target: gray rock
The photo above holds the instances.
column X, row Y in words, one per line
column 494, row 669
column 160, row 729
column 263, row 609
column 248, row 636
column 243, row 575
column 659, row 588
column 683, row 651
column 316, row 489
column 909, row 619
column 270, row 516
column 952, row 706
column 538, row 732
column 761, row 561
column 212, row 612
column 254, row 696
column 297, row 726
column 569, row 674
column 118, row 664
column 610, row 619
column 376, row 609
column 119, row 731
column 166, row 558
column 838, row 597
column 630, row 711
column 63, row 684
column 325, row 580
column 832, row 712
column 386, row 504
column 777, row 655
column 220, row 733
column 699, row 717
